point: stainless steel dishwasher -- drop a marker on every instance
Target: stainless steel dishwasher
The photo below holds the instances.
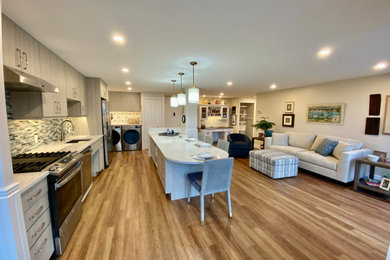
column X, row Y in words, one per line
column 86, row 172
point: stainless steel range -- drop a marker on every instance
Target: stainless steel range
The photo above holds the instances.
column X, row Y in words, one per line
column 65, row 189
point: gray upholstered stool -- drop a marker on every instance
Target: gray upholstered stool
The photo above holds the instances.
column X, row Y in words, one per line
column 273, row 163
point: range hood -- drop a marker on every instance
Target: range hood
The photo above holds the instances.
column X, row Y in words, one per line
column 16, row 80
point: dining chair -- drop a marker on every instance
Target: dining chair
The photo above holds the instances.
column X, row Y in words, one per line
column 223, row 145
column 216, row 177
column 201, row 137
column 209, row 139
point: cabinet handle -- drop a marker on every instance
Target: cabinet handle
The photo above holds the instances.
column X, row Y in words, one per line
column 35, row 195
column 18, row 57
column 41, row 247
column 25, row 60
column 36, row 213
column 39, row 230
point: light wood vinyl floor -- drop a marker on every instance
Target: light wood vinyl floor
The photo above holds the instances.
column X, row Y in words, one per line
column 127, row 216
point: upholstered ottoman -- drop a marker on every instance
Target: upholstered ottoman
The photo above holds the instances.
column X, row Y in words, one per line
column 273, row 163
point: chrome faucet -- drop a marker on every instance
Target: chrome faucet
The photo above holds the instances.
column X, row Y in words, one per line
column 63, row 134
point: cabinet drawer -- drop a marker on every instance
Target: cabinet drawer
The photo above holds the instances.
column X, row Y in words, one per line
column 32, row 195
column 44, row 246
column 33, row 214
column 38, row 228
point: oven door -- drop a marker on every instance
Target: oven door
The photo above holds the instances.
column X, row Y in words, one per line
column 68, row 191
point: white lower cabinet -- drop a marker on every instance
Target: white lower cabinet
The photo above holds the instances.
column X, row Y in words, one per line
column 35, row 204
column 97, row 157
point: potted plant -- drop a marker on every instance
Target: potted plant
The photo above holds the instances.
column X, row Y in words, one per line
column 264, row 125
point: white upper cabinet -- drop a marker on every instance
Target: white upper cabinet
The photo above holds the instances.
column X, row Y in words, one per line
column 125, row 101
column 20, row 50
column 53, row 71
column 83, row 95
column 59, row 72
column 30, row 53
column 72, row 83
column 103, row 90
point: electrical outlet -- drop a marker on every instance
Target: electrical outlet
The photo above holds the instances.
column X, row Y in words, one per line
column 36, row 138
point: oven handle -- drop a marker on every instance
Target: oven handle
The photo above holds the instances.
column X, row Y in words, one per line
column 74, row 171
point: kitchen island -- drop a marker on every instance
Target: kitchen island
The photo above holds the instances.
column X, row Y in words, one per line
column 174, row 159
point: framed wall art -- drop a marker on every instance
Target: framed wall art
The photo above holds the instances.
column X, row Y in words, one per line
column 386, row 123
column 325, row 114
column 375, row 105
column 372, row 125
column 289, row 107
column 288, row 120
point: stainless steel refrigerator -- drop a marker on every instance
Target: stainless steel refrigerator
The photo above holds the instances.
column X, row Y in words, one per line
column 107, row 133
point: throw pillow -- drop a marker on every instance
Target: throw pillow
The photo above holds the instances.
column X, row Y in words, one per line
column 326, row 147
column 340, row 148
column 317, row 142
column 280, row 139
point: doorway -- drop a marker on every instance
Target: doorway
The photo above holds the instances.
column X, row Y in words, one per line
column 245, row 118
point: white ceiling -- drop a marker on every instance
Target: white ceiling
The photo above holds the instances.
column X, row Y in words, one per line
column 252, row 43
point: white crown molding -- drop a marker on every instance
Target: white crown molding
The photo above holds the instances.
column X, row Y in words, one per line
column 9, row 191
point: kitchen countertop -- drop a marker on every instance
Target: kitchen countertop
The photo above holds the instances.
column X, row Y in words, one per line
column 29, row 179
column 176, row 149
column 64, row 147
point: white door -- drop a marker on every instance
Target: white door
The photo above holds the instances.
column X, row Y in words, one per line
column 152, row 116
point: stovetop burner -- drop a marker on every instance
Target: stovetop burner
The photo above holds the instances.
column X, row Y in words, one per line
column 35, row 162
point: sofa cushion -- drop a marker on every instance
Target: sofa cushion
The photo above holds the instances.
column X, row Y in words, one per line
column 302, row 140
column 340, row 148
column 287, row 149
column 329, row 162
column 325, row 148
column 355, row 143
column 280, row 139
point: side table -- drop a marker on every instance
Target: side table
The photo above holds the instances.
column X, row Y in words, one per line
column 258, row 139
column 360, row 184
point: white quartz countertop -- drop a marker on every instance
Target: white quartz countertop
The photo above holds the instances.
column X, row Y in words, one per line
column 28, row 179
column 179, row 150
column 64, row 147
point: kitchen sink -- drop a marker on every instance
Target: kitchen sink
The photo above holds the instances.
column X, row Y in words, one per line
column 75, row 141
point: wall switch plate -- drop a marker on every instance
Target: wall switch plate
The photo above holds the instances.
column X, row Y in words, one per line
column 36, row 138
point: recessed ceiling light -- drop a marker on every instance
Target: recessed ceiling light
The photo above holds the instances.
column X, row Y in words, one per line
column 325, row 52
column 129, row 88
column 125, row 70
column 229, row 83
column 118, row 39
column 273, row 86
column 203, row 95
column 381, row 66
column 221, row 94
column 128, row 83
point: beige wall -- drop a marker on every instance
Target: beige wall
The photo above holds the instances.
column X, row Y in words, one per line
column 354, row 93
column 171, row 120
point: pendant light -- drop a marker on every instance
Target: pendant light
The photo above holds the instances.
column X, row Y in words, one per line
column 181, row 97
column 193, row 93
column 173, row 97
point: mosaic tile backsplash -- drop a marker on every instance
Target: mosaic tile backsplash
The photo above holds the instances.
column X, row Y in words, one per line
column 124, row 118
column 22, row 133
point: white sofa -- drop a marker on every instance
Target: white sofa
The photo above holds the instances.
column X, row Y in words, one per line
column 339, row 166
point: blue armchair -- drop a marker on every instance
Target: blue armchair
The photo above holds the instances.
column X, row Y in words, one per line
column 240, row 145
